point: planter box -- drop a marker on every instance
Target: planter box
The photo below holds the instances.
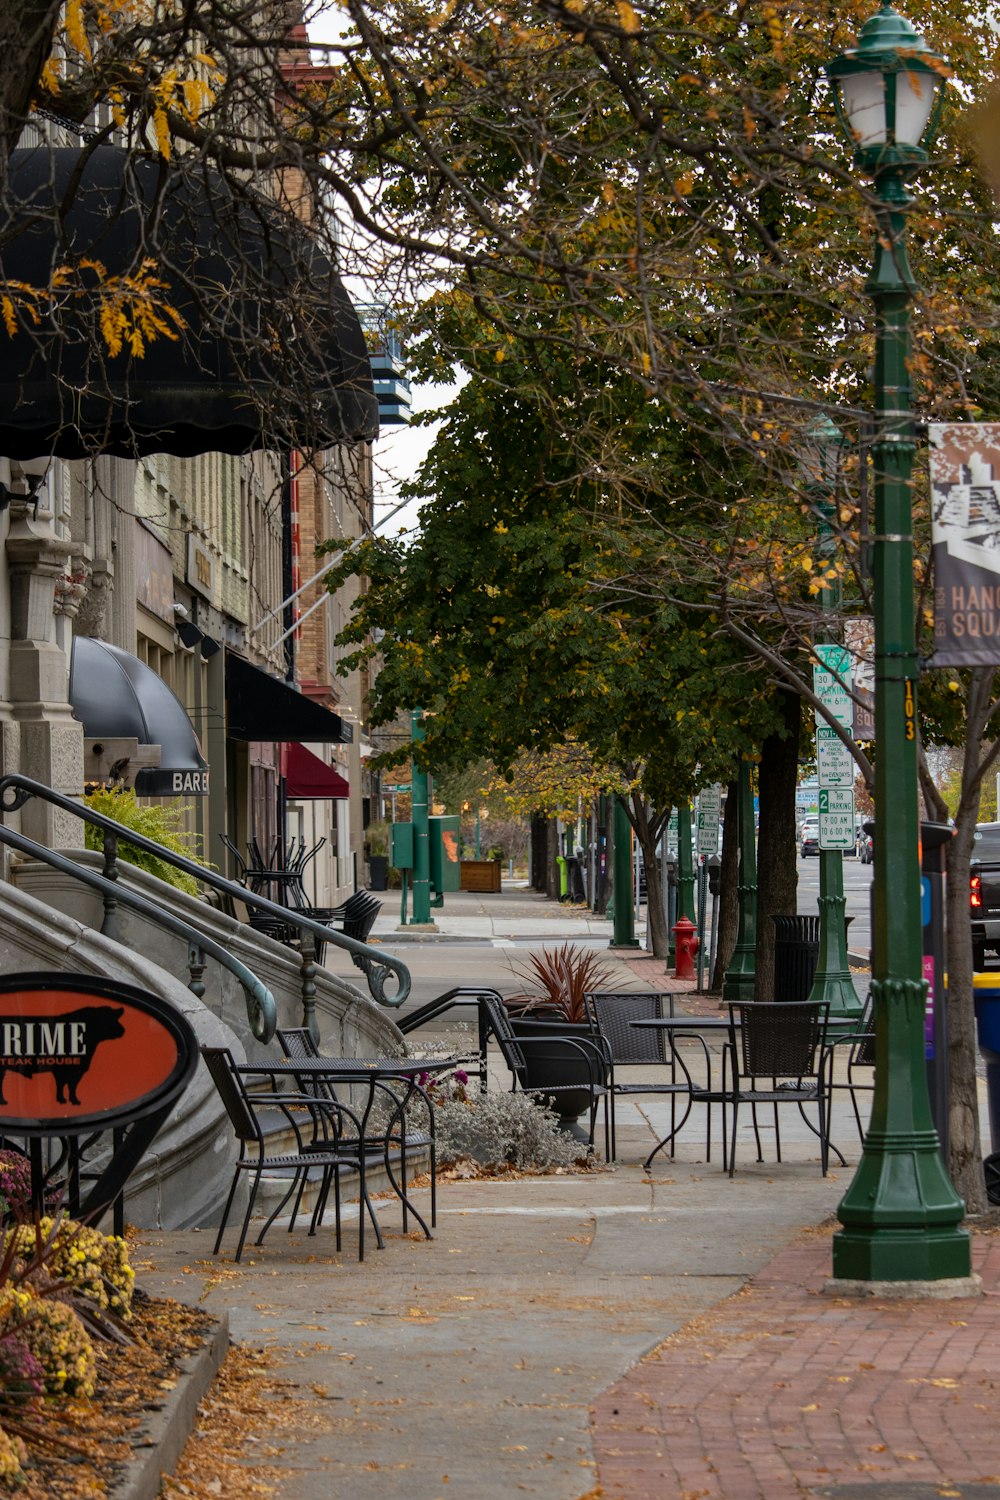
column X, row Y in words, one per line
column 480, row 875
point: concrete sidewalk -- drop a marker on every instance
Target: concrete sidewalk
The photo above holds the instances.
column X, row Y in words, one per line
column 522, row 1351
column 517, row 914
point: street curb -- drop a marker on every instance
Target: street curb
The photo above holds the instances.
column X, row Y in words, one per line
column 159, row 1440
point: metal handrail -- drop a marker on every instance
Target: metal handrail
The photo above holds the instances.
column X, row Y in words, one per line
column 15, row 791
column 262, row 1012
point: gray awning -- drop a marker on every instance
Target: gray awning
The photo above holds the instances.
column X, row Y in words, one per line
column 118, row 697
column 267, row 350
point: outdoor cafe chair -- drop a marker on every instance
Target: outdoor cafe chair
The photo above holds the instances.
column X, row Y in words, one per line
column 860, row 1067
column 393, row 1140
column 774, row 1055
column 323, row 1147
column 555, row 1066
column 631, row 1046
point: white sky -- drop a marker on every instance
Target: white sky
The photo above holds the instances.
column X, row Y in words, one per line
column 400, row 450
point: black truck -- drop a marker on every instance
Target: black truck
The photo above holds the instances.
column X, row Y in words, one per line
column 984, row 896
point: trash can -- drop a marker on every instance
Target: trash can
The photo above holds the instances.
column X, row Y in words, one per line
column 987, row 999
column 574, row 879
column 796, row 954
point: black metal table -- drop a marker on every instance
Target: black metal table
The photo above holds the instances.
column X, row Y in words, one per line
column 698, row 1026
column 374, row 1071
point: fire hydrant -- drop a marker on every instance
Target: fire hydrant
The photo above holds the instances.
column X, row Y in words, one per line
column 685, row 947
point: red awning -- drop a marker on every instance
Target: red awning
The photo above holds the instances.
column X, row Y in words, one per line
column 308, row 776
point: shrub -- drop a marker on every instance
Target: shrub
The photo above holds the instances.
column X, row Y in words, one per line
column 15, row 1185
column 504, row 1130
column 54, row 1334
column 13, row 1455
column 161, row 824
column 93, row 1264
column 21, row 1375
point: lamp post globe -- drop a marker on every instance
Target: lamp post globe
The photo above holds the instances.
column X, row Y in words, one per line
column 901, row 1215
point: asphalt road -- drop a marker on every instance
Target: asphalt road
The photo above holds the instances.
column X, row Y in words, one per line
column 857, row 889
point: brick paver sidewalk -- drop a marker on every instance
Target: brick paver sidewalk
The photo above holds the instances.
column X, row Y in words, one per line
column 784, row 1391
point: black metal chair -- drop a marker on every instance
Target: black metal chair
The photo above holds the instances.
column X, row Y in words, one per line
column 396, row 1144
column 774, row 1055
column 630, row 1046
column 860, row 1066
column 551, row 1064
column 327, row 1151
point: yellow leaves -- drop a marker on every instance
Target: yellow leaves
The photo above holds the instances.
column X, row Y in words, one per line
column 749, row 124
column 49, row 76
column 627, row 18
column 684, row 184
column 501, row 529
column 19, row 295
column 129, row 310
column 774, row 30
column 76, row 31
column 161, row 129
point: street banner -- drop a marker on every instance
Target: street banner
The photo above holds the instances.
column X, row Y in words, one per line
column 965, row 533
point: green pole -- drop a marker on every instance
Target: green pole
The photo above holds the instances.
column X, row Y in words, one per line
column 623, row 917
column 742, row 972
column 685, row 864
column 901, row 1214
column 832, row 984
column 421, row 832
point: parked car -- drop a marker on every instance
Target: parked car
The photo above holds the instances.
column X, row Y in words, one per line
column 809, row 837
column 984, row 894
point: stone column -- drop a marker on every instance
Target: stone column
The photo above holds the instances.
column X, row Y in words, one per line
column 50, row 739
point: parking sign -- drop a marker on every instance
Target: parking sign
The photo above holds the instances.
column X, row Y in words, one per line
column 836, row 818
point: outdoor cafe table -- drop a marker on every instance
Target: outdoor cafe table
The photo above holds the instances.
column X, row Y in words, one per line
column 374, row 1071
column 837, row 1028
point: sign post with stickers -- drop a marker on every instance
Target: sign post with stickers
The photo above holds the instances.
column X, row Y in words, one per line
column 833, row 984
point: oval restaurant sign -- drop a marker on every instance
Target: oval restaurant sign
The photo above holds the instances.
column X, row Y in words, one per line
column 81, row 1053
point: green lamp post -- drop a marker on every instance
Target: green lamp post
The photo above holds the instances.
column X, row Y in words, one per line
column 421, row 831
column 901, row 1214
column 685, row 864
column 832, row 983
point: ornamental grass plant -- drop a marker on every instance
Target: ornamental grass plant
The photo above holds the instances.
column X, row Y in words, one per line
column 560, row 978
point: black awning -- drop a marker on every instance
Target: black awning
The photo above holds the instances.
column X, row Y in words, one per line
column 268, row 350
column 261, row 707
column 118, row 697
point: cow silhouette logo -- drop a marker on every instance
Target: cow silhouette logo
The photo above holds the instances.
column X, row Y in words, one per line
column 63, row 1045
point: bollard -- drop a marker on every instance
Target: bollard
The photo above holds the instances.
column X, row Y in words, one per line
column 685, row 947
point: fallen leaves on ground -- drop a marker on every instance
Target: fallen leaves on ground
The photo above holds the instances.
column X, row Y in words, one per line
column 132, row 1380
